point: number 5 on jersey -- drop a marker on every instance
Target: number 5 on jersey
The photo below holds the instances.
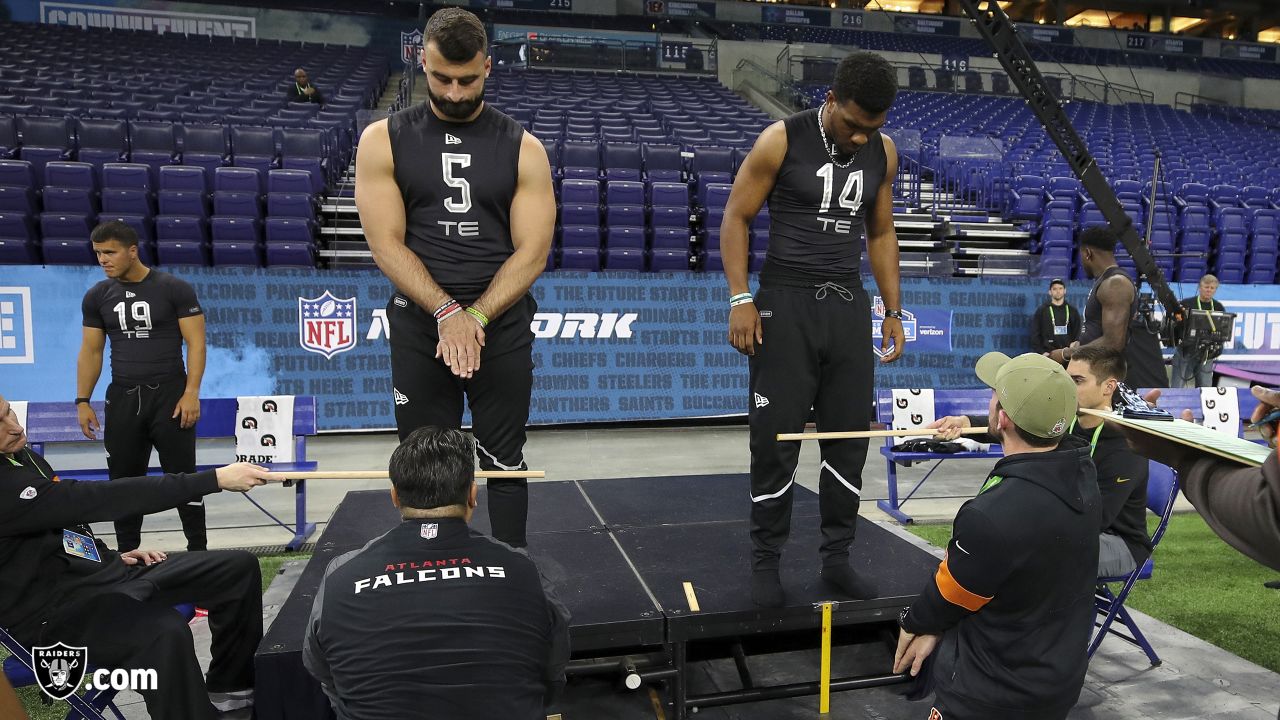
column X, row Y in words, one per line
column 449, row 164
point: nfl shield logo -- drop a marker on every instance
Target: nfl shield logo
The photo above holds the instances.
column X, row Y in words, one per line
column 327, row 325
column 430, row 530
column 59, row 669
column 411, row 46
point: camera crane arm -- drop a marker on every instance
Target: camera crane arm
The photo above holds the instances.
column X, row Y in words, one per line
column 1000, row 32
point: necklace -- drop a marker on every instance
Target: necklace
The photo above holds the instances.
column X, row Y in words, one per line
column 831, row 149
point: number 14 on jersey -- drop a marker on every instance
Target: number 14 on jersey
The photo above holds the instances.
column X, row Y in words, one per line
column 850, row 198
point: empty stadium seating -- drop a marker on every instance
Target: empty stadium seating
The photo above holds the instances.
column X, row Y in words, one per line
column 144, row 141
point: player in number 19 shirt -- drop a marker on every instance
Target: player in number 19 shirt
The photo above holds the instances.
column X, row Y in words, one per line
column 152, row 401
column 457, row 204
column 828, row 176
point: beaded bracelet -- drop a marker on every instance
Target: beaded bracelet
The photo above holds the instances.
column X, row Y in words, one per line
column 479, row 316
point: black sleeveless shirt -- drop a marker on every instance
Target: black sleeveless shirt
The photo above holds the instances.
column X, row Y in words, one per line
column 817, row 209
column 457, row 180
column 1141, row 348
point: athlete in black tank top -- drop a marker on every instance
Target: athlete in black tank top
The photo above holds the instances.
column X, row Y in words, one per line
column 828, row 176
column 1111, row 314
column 456, row 201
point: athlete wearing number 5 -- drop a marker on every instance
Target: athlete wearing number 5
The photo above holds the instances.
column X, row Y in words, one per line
column 827, row 174
column 153, row 401
column 457, row 204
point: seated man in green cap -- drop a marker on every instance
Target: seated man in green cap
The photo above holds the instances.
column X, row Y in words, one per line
column 1012, row 602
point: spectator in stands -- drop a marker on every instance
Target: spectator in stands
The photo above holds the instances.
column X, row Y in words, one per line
column 1111, row 316
column 1193, row 363
column 303, row 91
column 828, row 176
column 1055, row 324
column 1241, row 504
column 59, row 583
column 1123, row 543
column 471, row 629
column 462, row 242
column 153, row 400
column 1012, row 602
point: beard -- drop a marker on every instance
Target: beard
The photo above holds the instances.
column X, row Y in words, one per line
column 455, row 110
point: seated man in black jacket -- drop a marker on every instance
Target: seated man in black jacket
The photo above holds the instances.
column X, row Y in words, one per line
column 1011, row 605
column 302, row 91
column 58, row 583
column 434, row 619
column 1122, row 474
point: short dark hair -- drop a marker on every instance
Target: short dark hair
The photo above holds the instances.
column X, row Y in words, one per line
column 1104, row 362
column 114, row 230
column 867, row 79
column 433, row 468
column 1099, row 237
column 457, row 33
column 1032, row 440
column 1057, row 281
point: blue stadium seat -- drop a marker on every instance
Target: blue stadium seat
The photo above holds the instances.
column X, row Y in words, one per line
column 44, row 140
column 580, row 258
column 625, row 258
column 669, row 260
column 294, row 205
column 205, row 146
column 622, row 161
column 254, row 147
column 663, row 163
column 18, row 239
column 102, row 141
column 305, row 150
column 581, row 160
column 65, row 238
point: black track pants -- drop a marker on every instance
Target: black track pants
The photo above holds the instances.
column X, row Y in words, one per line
column 428, row 393
column 139, row 418
column 816, row 356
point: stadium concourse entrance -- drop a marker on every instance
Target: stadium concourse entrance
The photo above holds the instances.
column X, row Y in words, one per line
column 655, row 574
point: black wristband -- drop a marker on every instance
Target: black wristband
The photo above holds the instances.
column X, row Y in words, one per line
column 82, row 400
column 893, row 314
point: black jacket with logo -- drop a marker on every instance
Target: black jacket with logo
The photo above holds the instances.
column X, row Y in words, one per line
column 434, row 619
column 36, row 506
column 1013, row 598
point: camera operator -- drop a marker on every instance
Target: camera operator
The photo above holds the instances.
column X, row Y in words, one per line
column 1193, row 359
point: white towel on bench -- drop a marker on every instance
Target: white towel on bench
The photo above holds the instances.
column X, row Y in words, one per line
column 912, row 408
column 1221, row 409
column 264, row 429
column 20, row 410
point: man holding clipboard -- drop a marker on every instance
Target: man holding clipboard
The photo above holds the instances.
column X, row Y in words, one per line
column 1241, row 503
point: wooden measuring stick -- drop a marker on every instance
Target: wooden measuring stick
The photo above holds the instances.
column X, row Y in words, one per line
column 383, row 474
column 852, row 434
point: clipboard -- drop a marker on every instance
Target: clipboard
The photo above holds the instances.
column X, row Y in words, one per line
column 1194, row 436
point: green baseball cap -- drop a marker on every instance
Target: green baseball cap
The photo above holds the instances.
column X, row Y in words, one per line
column 1034, row 391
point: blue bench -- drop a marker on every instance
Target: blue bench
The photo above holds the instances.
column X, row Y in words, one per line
column 56, row 422
column 977, row 402
column 945, row 402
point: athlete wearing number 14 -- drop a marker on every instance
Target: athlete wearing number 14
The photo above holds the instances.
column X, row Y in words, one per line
column 828, row 176
column 457, row 204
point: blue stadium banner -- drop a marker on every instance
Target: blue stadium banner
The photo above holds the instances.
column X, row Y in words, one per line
column 680, row 8
column 609, row 346
column 1176, row 46
column 1247, row 51
column 1046, row 33
column 851, row 19
column 925, row 25
column 545, row 5
column 148, row 19
column 789, row 15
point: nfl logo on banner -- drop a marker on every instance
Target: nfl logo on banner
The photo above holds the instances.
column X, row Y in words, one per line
column 326, row 324
column 411, row 46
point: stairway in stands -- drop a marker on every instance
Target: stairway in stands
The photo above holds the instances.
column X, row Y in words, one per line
column 342, row 242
